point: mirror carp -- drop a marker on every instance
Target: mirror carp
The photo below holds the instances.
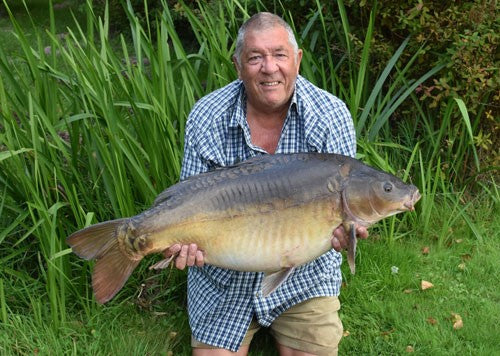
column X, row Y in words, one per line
column 267, row 214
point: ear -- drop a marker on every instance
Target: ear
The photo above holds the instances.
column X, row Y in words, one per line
column 237, row 67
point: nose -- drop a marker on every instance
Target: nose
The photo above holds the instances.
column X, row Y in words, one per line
column 269, row 64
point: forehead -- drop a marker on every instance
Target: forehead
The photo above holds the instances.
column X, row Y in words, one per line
column 271, row 39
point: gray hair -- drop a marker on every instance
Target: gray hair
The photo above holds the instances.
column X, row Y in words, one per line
column 263, row 21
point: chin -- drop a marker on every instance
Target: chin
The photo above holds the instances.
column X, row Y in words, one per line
column 276, row 101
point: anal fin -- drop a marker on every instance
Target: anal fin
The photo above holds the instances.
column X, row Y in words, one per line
column 272, row 281
column 163, row 263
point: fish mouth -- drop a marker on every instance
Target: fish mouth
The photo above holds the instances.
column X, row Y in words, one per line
column 410, row 204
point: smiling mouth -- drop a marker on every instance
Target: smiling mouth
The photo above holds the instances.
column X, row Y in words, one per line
column 270, row 84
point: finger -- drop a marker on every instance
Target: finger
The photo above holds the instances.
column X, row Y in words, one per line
column 339, row 232
column 199, row 258
column 336, row 244
column 343, row 240
column 180, row 261
column 362, row 232
column 172, row 250
column 191, row 255
column 339, row 239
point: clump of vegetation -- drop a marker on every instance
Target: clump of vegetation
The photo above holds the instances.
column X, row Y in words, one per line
column 463, row 36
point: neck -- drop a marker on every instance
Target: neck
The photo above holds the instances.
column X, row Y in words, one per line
column 266, row 119
column 258, row 110
column 265, row 128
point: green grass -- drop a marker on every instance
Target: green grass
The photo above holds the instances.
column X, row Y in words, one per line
column 39, row 17
column 94, row 129
column 389, row 312
column 113, row 331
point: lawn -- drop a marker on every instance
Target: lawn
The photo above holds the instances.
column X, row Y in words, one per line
column 39, row 18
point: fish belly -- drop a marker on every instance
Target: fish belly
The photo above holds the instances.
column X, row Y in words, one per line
column 255, row 241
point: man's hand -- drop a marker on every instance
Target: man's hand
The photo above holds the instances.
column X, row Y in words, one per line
column 340, row 238
column 187, row 255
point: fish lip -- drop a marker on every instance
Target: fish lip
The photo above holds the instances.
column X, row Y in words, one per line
column 410, row 204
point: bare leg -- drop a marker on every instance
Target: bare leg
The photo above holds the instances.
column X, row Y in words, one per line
column 243, row 351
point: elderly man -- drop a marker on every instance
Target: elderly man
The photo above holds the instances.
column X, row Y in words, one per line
column 269, row 109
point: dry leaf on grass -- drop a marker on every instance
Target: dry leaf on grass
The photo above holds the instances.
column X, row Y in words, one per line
column 172, row 335
column 409, row 348
column 457, row 321
column 425, row 250
column 459, row 324
column 431, row 320
column 426, row 285
column 466, row 257
column 346, row 333
column 388, row 332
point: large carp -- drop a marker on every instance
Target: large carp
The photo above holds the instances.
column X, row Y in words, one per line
column 270, row 214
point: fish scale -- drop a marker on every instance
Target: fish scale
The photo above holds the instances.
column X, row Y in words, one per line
column 270, row 214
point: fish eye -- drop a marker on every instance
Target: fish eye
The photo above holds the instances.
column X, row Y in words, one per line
column 388, row 187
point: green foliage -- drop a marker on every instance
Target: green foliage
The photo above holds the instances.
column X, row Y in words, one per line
column 111, row 331
column 117, row 12
column 464, row 36
column 86, row 132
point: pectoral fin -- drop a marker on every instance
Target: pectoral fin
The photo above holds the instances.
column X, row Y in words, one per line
column 351, row 249
column 272, row 281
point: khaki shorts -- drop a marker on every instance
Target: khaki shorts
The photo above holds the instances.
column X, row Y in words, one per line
column 312, row 326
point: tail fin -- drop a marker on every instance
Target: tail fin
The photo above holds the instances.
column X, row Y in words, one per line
column 111, row 272
column 93, row 241
column 113, row 267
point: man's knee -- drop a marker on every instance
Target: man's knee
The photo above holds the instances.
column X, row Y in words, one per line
column 312, row 326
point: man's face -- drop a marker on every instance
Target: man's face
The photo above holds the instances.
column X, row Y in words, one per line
column 269, row 68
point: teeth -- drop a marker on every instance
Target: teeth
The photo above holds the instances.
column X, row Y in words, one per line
column 268, row 84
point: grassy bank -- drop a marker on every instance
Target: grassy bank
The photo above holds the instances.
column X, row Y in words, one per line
column 92, row 131
column 383, row 313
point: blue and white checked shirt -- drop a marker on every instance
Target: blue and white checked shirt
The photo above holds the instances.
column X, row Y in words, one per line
column 221, row 302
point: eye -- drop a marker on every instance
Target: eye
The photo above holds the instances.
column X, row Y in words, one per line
column 255, row 59
column 388, row 187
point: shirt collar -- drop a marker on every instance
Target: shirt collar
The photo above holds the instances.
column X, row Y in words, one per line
column 238, row 116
